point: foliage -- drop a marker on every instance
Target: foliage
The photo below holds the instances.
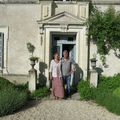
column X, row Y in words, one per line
column 112, row 103
column 4, row 83
column 116, row 92
column 11, row 98
column 104, row 27
column 103, row 59
column 109, row 83
column 22, row 87
column 34, row 58
column 84, row 90
column 40, row 92
column 106, row 94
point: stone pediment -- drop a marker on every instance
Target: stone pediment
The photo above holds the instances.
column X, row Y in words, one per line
column 62, row 18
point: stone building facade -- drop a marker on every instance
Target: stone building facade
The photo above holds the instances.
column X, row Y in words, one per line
column 49, row 26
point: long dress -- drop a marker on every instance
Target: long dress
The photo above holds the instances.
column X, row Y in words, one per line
column 57, row 84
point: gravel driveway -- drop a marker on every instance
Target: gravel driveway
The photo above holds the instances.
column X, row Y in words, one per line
column 62, row 110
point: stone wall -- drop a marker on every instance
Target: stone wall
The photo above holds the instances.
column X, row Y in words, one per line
column 21, row 19
column 17, row 79
column 112, row 62
column 21, row 22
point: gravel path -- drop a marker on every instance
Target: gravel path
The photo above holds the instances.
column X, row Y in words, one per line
column 63, row 110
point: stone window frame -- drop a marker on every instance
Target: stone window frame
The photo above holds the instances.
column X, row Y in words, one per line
column 4, row 30
column 1, row 50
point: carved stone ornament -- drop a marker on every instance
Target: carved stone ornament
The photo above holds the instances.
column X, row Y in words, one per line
column 64, row 28
column 41, row 29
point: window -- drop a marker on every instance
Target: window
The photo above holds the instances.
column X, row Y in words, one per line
column 1, row 50
column 70, row 38
column 56, row 38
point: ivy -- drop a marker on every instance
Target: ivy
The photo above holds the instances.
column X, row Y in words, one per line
column 104, row 27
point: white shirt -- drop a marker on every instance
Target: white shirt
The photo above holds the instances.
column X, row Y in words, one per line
column 53, row 68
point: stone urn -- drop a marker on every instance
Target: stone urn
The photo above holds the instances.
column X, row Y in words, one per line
column 93, row 63
column 33, row 61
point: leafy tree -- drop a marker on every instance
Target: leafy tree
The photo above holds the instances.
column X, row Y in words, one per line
column 104, row 27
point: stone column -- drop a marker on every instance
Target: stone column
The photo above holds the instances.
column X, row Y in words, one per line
column 93, row 78
column 32, row 80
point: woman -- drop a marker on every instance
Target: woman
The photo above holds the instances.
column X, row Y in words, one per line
column 55, row 76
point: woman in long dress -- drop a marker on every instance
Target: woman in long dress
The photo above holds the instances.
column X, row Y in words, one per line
column 55, row 77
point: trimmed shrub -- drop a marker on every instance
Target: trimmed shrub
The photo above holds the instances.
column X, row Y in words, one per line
column 106, row 94
column 11, row 100
column 100, row 95
column 109, row 83
column 22, row 87
column 116, row 92
column 106, row 87
column 12, row 97
column 112, row 103
column 41, row 92
column 84, row 90
column 4, row 83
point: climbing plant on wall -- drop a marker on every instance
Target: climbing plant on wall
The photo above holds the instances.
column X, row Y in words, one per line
column 104, row 27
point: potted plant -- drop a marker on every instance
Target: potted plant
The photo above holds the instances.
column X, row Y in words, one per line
column 33, row 59
column 93, row 61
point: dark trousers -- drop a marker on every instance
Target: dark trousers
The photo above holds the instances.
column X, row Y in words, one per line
column 67, row 80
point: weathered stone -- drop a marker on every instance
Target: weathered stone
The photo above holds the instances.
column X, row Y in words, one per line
column 19, row 24
column 32, row 80
column 93, row 78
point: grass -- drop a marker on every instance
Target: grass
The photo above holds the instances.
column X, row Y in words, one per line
column 41, row 92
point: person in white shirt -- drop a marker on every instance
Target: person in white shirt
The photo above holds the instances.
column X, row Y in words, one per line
column 56, row 78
